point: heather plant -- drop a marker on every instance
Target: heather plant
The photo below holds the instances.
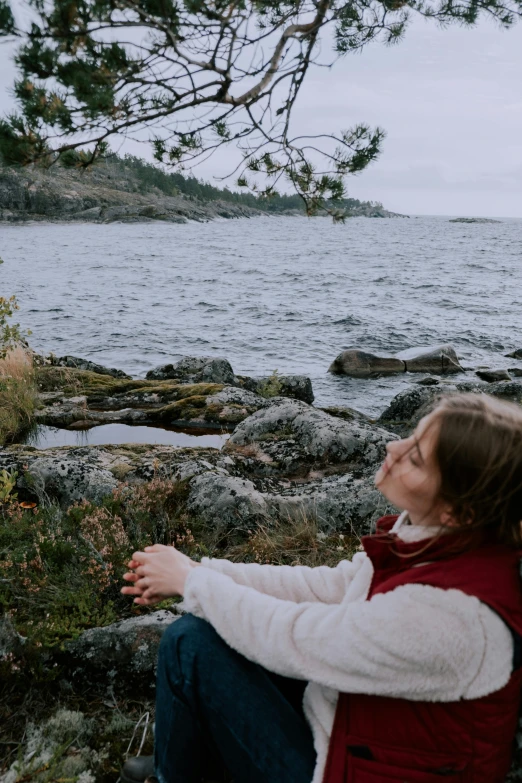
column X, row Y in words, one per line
column 60, row 570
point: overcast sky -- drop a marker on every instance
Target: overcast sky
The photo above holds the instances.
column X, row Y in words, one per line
column 451, row 103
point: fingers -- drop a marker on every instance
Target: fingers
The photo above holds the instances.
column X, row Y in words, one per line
column 131, row 591
column 142, row 601
column 131, row 577
column 155, row 548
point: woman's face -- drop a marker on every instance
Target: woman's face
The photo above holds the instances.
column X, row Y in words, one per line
column 409, row 476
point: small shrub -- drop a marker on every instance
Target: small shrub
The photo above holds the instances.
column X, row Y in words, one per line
column 272, row 387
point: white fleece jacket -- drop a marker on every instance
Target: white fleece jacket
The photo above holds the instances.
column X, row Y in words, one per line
column 415, row 642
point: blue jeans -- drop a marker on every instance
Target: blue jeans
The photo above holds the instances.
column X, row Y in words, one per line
column 213, row 705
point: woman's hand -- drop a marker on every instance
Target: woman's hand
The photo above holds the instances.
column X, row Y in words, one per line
column 157, row 573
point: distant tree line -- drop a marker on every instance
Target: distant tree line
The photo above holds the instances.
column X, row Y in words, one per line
column 171, row 184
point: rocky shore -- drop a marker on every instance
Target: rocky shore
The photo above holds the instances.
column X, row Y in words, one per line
column 108, row 193
column 293, row 484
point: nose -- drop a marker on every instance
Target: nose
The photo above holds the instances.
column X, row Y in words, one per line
column 396, row 448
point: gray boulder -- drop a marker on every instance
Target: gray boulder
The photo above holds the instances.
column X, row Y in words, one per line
column 491, row 376
column 337, row 502
column 439, row 359
column 516, row 354
column 128, row 646
column 225, row 501
column 84, row 364
column 297, row 387
column 195, row 369
column 67, row 480
column 292, row 426
column 408, row 406
column 516, row 372
column 507, row 390
column 361, row 364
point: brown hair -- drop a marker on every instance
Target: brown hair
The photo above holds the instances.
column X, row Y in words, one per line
column 479, row 455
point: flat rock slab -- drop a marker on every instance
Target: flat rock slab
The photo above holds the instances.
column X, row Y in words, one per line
column 69, row 474
column 440, row 359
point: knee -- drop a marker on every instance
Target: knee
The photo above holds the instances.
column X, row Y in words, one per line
column 186, row 640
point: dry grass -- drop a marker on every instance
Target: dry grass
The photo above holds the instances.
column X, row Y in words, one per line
column 295, row 541
column 17, row 392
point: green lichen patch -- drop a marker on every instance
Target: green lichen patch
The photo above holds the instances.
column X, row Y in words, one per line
column 70, row 737
column 98, row 387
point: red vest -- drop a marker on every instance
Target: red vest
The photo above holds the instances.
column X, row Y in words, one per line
column 376, row 739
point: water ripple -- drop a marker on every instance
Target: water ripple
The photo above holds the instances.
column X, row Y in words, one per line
column 285, row 293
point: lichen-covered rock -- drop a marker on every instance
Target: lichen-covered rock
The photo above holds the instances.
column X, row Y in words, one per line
column 129, row 646
column 85, row 364
column 407, row 407
column 338, row 503
column 231, row 395
column 297, row 387
column 507, row 390
column 224, row 501
column 131, row 462
column 195, row 369
column 222, row 407
column 311, row 434
column 67, row 480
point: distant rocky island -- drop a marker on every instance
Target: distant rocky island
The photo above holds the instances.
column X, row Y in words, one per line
column 132, row 190
column 474, row 220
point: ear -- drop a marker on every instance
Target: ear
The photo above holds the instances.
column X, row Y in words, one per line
column 447, row 519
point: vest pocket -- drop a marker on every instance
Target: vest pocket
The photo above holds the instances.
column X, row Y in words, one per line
column 363, row 770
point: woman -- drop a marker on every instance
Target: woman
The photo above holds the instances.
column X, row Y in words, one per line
column 407, row 655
